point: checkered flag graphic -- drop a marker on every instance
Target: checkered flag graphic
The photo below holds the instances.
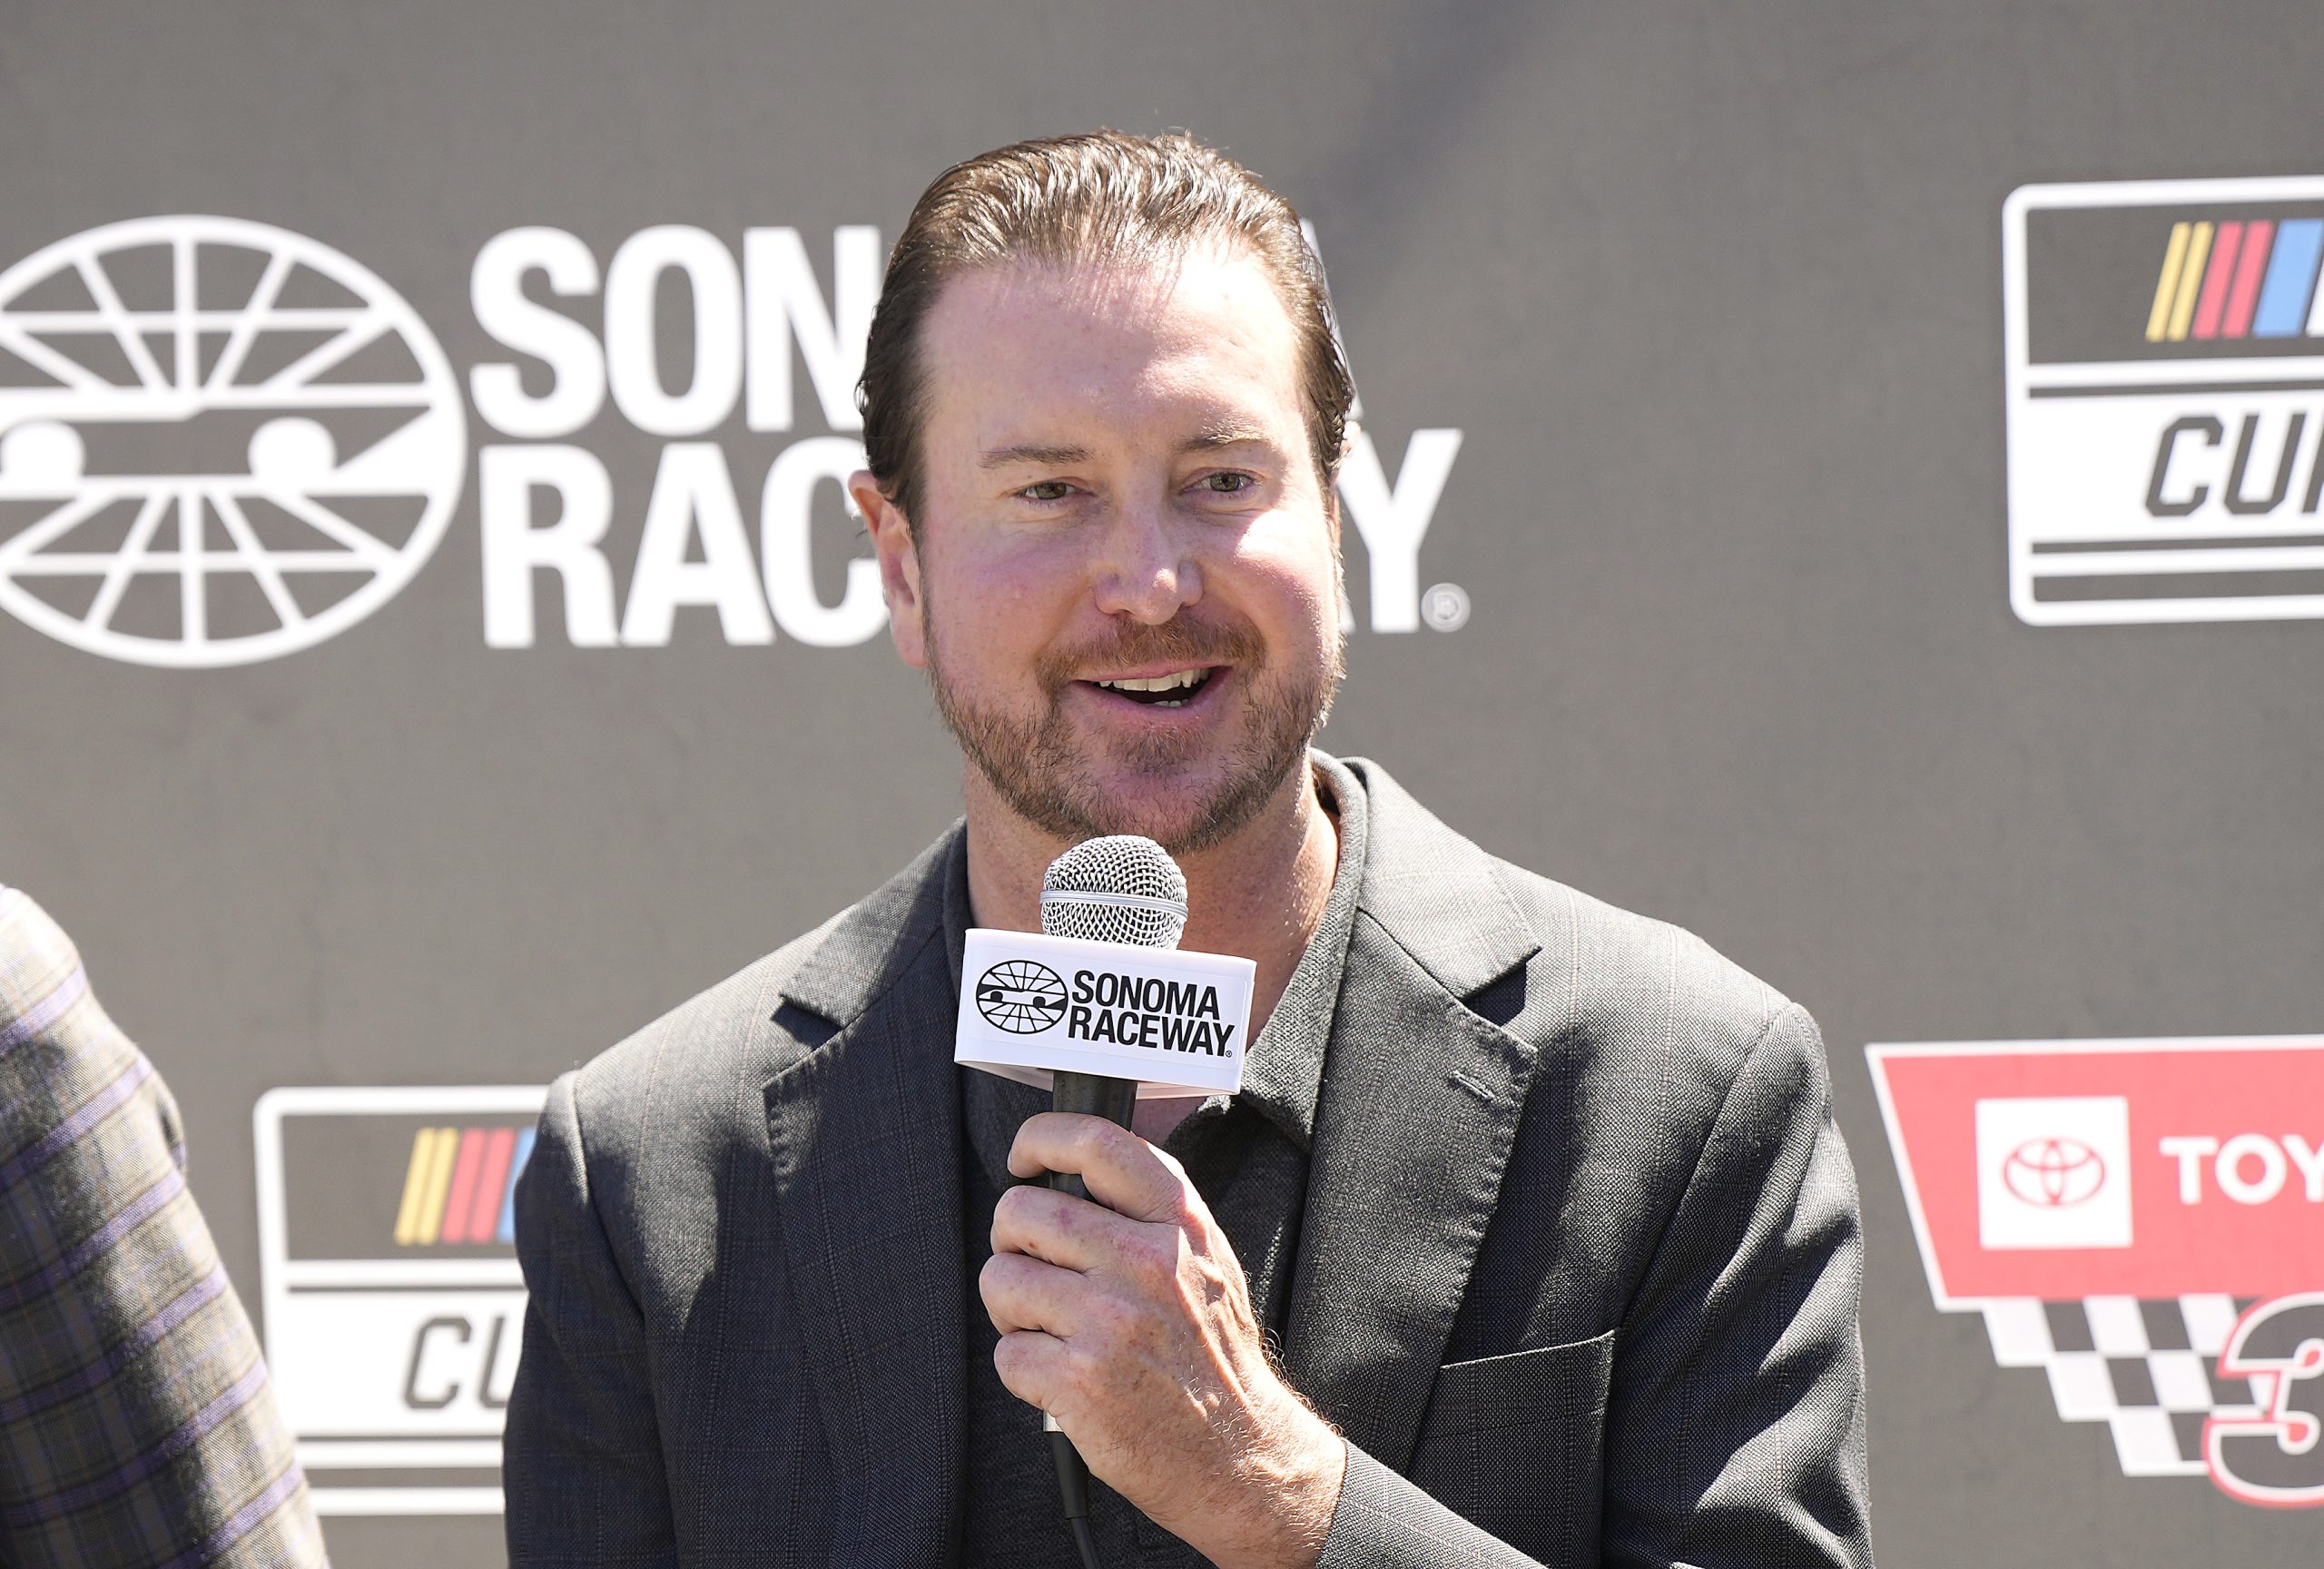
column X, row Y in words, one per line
column 2148, row 1370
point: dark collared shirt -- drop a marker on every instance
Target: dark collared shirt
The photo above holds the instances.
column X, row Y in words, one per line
column 1246, row 1156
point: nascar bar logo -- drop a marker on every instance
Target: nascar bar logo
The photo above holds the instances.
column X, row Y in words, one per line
column 2143, row 1220
column 2165, row 378
column 393, row 1303
column 462, row 1185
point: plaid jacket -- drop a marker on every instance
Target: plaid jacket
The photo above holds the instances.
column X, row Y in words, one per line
column 136, row 1423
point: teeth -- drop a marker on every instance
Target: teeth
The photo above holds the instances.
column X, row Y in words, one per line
column 1170, row 682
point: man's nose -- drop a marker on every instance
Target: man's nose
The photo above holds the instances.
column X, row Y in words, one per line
column 1147, row 568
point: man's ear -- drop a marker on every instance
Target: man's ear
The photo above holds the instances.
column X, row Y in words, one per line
column 899, row 558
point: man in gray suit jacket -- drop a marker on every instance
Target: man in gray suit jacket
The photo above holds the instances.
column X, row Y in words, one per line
column 1529, row 1238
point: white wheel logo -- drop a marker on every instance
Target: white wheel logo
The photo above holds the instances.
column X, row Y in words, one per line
column 220, row 442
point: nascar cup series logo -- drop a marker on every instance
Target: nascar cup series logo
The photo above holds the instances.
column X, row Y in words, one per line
column 2165, row 378
column 223, row 443
column 218, row 441
column 394, row 1306
column 2142, row 1220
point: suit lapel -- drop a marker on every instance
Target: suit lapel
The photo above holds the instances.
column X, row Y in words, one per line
column 1421, row 1101
column 864, row 1130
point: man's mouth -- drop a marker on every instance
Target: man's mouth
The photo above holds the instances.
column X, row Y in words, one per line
column 1174, row 690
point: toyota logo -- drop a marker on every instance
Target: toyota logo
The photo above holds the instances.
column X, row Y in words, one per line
column 2053, row 1173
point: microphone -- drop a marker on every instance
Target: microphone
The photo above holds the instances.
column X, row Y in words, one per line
column 1102, row 1006
column 1123, row 888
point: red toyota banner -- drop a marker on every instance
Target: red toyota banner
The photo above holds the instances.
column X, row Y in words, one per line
column 2144, row 1169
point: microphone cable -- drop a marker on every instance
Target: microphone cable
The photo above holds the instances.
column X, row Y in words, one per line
column 1073, row 1488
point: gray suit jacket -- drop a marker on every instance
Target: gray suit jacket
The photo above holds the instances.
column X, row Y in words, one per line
column 1578, row 1273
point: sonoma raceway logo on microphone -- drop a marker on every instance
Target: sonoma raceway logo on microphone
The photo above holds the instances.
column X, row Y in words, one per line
column 1167, row 1017
column 222, row 442
column 1149, row 1011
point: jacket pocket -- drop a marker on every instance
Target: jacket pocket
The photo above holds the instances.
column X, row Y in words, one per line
column 1513, row 1444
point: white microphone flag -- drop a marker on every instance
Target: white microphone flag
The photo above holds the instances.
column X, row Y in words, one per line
column 1032, row 1005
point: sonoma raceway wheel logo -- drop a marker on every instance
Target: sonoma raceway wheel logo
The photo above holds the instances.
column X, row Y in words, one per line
column 1021, row 997
column 220, row 442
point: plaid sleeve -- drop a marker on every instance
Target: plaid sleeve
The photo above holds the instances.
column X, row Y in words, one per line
column 136, row 1423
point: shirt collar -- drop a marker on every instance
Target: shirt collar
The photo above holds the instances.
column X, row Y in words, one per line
column 1283, row 1075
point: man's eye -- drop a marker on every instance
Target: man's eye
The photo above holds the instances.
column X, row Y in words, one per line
column 1047, row 490
column 1227, row 484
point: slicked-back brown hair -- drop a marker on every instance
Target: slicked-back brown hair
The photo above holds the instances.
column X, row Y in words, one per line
column 1074, row 200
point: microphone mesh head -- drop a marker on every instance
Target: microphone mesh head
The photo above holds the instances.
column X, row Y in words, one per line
column 1123, row 888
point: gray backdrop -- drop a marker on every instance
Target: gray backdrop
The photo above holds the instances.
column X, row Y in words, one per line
column 1713, row 293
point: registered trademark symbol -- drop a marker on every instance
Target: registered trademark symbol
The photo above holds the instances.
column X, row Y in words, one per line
column 1445, row 607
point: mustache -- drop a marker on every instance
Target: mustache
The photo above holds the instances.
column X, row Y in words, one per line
column 1180, row 641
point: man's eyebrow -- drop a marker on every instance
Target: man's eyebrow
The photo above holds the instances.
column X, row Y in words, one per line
column 1027, row 452
column 1218, row 436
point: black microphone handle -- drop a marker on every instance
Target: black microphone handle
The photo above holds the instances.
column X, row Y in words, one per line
column 1094, row 1095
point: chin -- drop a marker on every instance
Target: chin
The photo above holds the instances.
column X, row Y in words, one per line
column 1182, row 812
column 1176, row 823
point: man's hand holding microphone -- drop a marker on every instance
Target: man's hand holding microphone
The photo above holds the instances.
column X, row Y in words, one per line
column 1128, row 1319
column 1124, row 1315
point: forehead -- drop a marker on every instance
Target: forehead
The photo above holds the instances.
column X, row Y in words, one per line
column 1200, row 333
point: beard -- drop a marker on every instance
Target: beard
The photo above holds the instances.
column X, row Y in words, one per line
column 1047, row 774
